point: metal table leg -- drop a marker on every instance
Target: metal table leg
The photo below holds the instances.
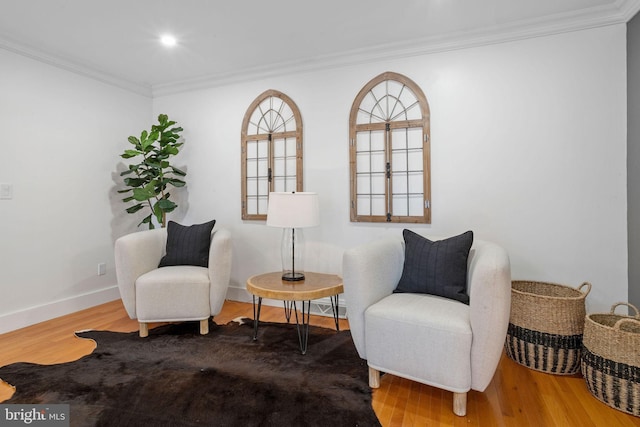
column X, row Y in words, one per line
column 335, row 306
column 256, row 316
column 303, row 330
column 288, row 305
column 302, row 320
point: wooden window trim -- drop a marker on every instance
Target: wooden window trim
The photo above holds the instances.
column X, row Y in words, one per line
column 354, row 128
column 245, row 138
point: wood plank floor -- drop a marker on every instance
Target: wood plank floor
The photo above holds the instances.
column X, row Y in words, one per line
column 517, row 396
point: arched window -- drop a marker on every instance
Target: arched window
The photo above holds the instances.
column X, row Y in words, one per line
column 389, row 152
column 271, row 151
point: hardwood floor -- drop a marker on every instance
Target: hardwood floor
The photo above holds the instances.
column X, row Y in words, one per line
column 517, row 396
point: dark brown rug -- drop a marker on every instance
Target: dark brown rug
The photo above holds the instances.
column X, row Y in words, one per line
column 177, row 377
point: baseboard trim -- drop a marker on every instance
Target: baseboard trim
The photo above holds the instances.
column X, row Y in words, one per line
column 41, row 313
column 32, row 315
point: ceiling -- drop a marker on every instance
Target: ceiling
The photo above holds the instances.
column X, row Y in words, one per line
column 117, row 41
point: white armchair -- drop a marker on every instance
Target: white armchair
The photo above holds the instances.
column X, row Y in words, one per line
column 174, row 293
column 424, row 338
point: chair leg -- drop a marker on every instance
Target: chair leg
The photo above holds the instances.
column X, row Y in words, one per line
column 144, row 329
column 460, row 404
column 204, row 327
column 374, row 378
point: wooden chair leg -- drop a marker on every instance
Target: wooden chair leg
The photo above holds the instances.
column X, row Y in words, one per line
column 204, row 327
column 460, row 404
column 374, row 378
column 144, row 329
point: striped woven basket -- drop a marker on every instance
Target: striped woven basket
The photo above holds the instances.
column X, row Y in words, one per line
column 611, row 358
column 546, row 325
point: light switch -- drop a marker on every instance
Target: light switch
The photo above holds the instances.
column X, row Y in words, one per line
column 6, row 191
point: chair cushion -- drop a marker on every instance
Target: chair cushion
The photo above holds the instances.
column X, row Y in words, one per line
column 188, row 245
column 401, row 334
column 173, row 294
column 436, row 268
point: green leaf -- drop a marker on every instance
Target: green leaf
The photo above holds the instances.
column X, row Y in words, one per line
column 128, row 199
column 154, row 135
column 125, row 191
column 170, row 209
column 177, row 182
column 171, row 149
column 178, row 171
column 165, row 204
column 134, row 208
column 148, row 175
column 134, row 182
column 130, row 153
column 147, row 220
column 133, row 140
column 158, row 212
column 163, row 118
column 160, row 187
column 143, row 194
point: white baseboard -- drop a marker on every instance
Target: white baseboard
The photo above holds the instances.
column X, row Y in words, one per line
column 32, row 315
column 321, row 307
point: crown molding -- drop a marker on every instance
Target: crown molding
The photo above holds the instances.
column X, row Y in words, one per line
column 617, row 13
column 628, row 8
column 65, row 64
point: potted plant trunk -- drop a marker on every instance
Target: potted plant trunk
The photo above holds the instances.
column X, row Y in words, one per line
column 149, row 180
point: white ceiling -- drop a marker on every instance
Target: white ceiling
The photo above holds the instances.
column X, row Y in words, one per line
column 222, row 41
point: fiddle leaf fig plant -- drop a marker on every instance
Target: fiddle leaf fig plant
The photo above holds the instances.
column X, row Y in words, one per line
column 148, row 180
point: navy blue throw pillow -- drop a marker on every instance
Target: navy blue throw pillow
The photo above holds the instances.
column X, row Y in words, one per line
column 436, row 268
column 188, row 245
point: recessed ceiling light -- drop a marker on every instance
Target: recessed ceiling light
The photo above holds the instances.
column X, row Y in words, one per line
column 168, row 40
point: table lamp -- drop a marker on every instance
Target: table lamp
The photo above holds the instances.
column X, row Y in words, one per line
column 292, row 212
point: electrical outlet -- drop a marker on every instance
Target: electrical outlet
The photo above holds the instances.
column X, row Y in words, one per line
column 6, row 191
column 102, row 269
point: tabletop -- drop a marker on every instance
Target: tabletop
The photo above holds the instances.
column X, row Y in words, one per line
column 314, row 286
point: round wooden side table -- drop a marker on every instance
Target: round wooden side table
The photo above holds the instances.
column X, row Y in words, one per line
column 314, row 286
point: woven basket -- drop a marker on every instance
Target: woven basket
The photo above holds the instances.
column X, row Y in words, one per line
column 545, row 326
column 611, row 358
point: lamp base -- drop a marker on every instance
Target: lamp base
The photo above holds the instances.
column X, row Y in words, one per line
column 290, row 276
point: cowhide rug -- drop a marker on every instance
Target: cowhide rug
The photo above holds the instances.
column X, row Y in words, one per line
column 177, row 377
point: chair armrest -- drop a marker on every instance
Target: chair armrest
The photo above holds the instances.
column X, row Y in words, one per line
column 370, row 272
column 136, row 254
column 220, row 254
column 489, row 283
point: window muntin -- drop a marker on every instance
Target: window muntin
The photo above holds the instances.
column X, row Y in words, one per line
column 389, row 152
column 271, row 151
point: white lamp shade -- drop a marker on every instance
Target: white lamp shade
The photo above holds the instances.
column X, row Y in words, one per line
column 293, row 210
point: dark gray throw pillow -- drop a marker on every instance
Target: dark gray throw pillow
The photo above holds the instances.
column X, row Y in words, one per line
column 436, row 268
column 188, row 245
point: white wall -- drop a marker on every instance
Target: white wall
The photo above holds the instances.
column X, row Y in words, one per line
column 61, row 136
column 633, row 157
column 528, row 150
